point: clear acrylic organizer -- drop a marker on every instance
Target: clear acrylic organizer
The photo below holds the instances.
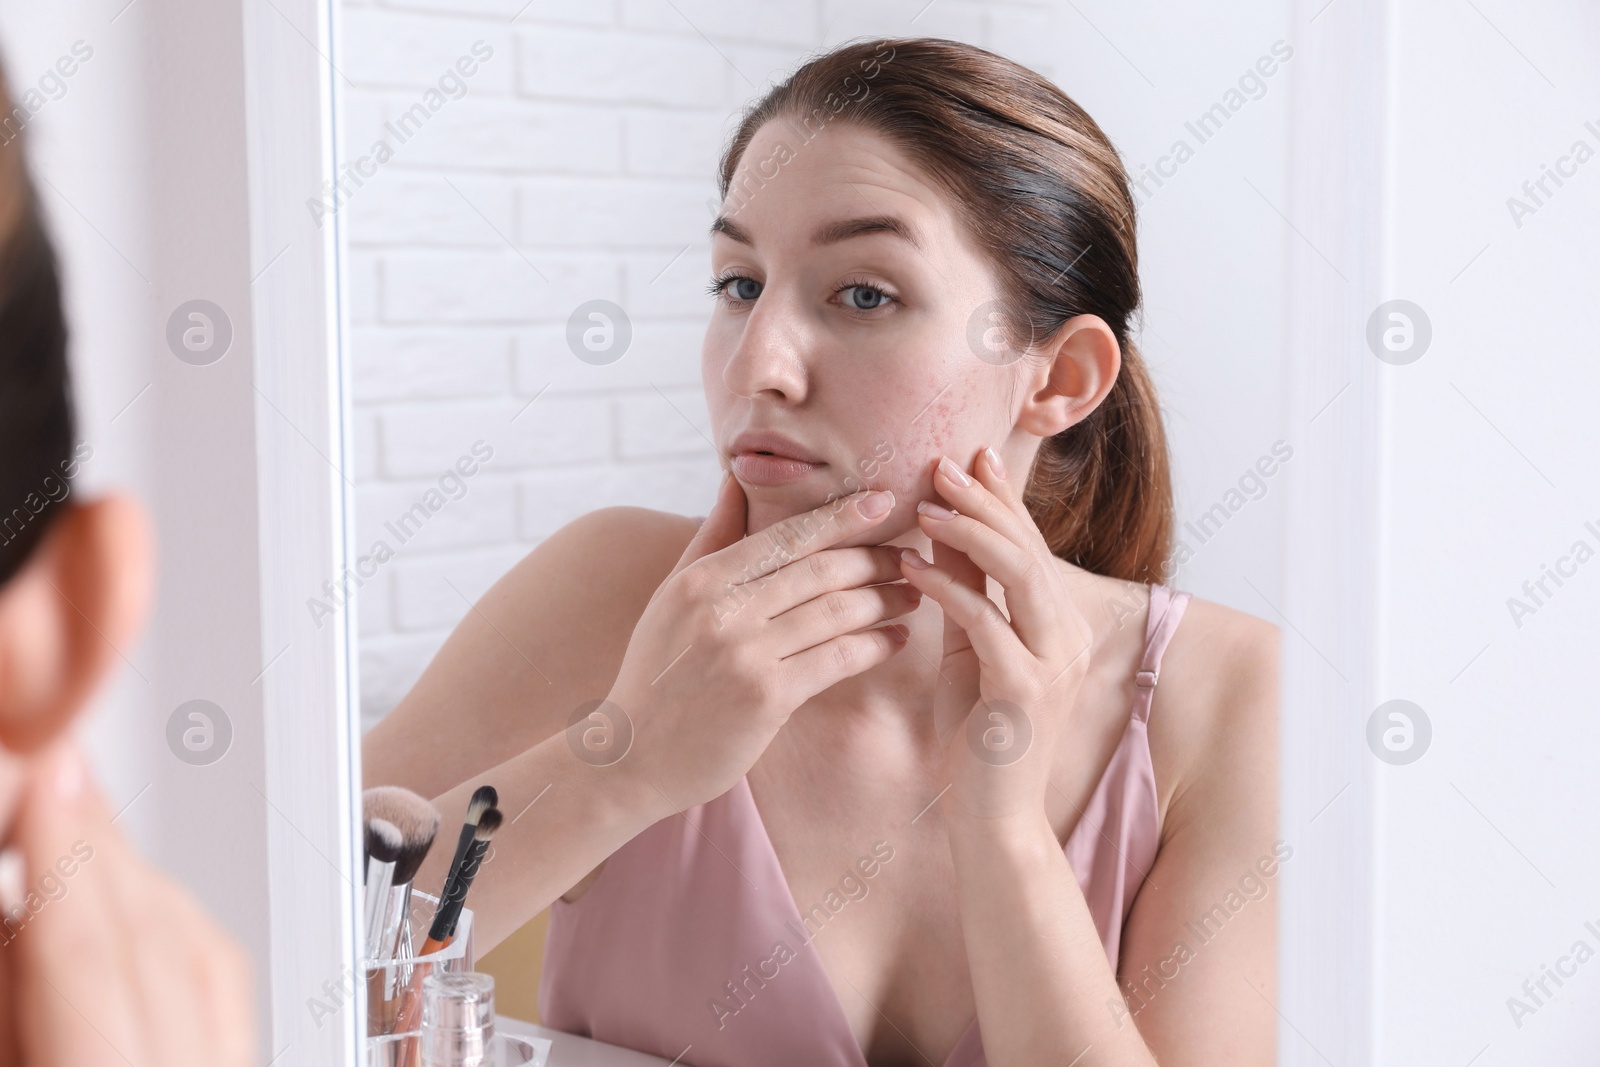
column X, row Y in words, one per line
column 388, row 980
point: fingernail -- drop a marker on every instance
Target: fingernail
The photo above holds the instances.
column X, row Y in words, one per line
column 953, row 472
column 69, row 773
column 934, row 511
column 994, row 461
column 914, row 558
column 897, row 634
column 876, row 504
column 12, row 877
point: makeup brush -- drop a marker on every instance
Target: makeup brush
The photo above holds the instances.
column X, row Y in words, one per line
column 455, row 895
column 483, row 798
column 383, row 840
column 383, row 849
column 418, row 823
column 446, row 917
column 416, row 819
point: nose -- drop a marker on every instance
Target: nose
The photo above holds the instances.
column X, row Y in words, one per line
column 770, row 353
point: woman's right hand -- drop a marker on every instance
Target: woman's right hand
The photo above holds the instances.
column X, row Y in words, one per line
column 740, row 634
column 104, row 959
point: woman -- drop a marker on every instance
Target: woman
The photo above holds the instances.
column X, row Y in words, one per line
column 792, row 834
column 103, row 959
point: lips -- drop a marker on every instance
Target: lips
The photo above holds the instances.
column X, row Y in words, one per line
column 767, row 458
column 774, row 444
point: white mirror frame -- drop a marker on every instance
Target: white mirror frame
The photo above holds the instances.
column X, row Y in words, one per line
column 1326, row 924
column 312, row 732
column 307, row 535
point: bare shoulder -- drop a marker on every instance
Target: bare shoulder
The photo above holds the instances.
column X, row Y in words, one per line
column 590, row 580
column 547, row 636
column 1214, row 720
column 618, row 550
column 1213, row 741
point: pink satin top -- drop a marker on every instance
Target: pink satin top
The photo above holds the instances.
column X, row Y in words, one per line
column 689, row 944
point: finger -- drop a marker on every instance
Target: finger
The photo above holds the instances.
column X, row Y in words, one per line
column 988, row 496
column 993, row 474
column 824, row 665
column 960, row 569
column 220, row 970
column 840, row 612
column 995, row 643
column 724, row 524
column 164, row 959
column 973, row 548
column 231, row 983
column 789, row 539
column 986, row 530
column 823, row 572
column 198, row 996
column 76, row 994
column 181, row 978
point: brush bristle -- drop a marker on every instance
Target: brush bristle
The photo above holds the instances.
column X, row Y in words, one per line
column 487, row 825
column 483, row 798
column 415, row 818
column 383, row 841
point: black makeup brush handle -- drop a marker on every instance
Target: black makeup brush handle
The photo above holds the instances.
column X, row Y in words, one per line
column 450, row 904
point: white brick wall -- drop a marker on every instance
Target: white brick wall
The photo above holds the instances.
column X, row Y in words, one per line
column 577, row 165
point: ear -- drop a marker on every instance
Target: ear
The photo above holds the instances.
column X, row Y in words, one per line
column 1073, row 372
column 69, row 615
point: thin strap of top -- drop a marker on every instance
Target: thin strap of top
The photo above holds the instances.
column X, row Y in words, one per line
column 1166, row 611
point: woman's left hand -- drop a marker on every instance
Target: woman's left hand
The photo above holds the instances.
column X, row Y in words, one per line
column 1006, row 686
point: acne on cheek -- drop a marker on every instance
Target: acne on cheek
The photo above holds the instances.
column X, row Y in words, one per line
column 908, row 474
column 940, row 431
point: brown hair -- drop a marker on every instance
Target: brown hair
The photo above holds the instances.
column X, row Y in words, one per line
column 1044, row 193
column 36, row 417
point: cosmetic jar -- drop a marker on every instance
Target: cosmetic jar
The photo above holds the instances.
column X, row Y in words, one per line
column 457, row 1019
column 458, row 1025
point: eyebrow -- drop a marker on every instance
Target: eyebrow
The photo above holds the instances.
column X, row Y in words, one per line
column 833, row 232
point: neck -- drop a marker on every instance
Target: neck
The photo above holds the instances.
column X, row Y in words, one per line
column 897, row 694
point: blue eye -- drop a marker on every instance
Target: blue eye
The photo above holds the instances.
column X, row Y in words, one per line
column 741, row 289
column 862, row 296
column 744, row 288
column 875, row 297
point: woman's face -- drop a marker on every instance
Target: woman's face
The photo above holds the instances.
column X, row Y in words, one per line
column 852, row 344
